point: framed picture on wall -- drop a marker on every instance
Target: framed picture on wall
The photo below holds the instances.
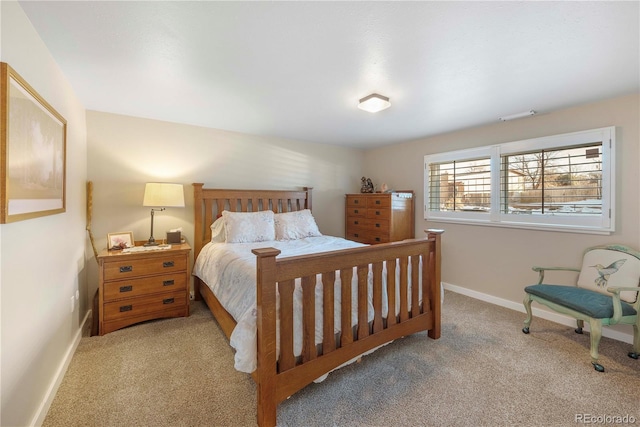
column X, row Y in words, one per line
column 33, row 146
column 120, row 240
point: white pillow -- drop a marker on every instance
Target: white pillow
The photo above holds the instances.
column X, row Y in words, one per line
column 218, row 231
column 247, row 227
column 602, row 268
column 295, row 225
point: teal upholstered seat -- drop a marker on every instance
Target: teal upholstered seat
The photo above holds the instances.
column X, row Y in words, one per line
column 606, row 293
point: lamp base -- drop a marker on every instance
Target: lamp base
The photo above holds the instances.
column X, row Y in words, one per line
column 151, row 242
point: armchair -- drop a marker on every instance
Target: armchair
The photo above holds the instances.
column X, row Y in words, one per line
column 606, row 293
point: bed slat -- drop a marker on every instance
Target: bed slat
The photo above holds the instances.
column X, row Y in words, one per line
column 391, row 292
column 404, row 303
column 363, row 302
column 377, row 297
column 287, row 358
column 346, row 333
column 415, row 286
column 328, row 307
column 308, row 318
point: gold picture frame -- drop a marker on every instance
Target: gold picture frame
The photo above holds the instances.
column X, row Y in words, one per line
column 120, row 240
column 33, row 148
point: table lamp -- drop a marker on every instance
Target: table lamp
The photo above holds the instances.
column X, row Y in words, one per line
column 162, row 195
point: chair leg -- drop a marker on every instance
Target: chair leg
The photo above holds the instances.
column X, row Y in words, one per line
column 636, row 342
column 527, row 306
column 580, row 326
column 596, row 333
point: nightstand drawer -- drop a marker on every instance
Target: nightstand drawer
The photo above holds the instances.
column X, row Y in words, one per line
column 144, row 286
column 143, row 305
column 123, row 269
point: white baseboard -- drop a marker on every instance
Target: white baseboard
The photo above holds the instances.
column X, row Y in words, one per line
column 537, row 312
column 41, row 413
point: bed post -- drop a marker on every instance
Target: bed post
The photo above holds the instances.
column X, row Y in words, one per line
column 308, row 190
column 197, row 233
column 435, row 261
column 266, row 326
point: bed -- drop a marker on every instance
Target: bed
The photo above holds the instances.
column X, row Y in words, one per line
column 312, row 311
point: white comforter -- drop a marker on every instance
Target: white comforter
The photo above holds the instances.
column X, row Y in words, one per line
column 229, row 269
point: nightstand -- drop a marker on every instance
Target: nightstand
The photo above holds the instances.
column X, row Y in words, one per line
column 139, row 286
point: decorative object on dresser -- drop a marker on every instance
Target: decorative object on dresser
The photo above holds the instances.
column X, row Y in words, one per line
column 162, row 195
column 380, row 217
column 120, row 240
column 309, row 295
column 142, row 285
column 367, row 185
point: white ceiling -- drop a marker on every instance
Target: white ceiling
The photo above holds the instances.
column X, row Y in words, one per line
column 297, row 69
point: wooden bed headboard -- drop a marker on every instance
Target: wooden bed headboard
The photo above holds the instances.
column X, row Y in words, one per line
column 209, row 204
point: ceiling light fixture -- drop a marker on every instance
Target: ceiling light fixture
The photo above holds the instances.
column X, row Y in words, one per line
column 518, row 115
column 374, row 103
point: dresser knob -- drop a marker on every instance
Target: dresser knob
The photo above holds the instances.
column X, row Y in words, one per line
column 127, row 288
column 126, row 269
column 378, row 225
column 168, row 301
column 126, row 308
column 168, row 282
column 167, row 264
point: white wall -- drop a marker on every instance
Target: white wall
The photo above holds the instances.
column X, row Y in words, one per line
column 43, row 259
column 497, row 261
column 125, row 152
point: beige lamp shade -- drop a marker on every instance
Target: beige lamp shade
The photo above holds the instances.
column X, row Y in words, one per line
column 163, row 194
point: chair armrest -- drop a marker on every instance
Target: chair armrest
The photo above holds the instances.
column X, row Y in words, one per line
column 617, row 306
column 541, row 271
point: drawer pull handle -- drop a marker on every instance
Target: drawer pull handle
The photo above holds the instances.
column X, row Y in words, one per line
column 378, row 225
column 168, row 264
column 355, row 211
column 377, row 212
column 377, row 239
column 377, row 202
column 355, row 202
column 168, row 282
column 168, row 300
column 356, row 222
column 126, row 308
column 127, row 288
column 126, row 269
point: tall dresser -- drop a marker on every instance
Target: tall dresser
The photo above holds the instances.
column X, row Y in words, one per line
column 379, row 217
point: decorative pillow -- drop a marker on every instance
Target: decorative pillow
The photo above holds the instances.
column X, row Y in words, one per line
column 218, row 232
column 602, row 268
column 247, row 227
column 295, row 225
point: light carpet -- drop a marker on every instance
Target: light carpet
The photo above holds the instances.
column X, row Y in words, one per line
column 483, row 371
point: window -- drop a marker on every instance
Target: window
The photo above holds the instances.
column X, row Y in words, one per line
column 562, row 182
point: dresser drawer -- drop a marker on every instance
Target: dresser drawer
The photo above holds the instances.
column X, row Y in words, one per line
column 382, row 201
column 380, row 213
column 356, row 212
column 147, row 285
column 356, row 201
column 123, row 269
column 367, row 236
column 143, row 305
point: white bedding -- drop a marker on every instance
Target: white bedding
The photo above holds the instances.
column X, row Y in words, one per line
column 229, row 269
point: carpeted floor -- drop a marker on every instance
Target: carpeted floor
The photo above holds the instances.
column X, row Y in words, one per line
column 483, row 371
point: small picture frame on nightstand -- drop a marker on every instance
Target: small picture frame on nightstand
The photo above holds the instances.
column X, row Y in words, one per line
column 120, row 240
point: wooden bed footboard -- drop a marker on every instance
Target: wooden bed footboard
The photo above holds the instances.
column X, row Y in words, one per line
column 408, row 272
column 419, row 310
